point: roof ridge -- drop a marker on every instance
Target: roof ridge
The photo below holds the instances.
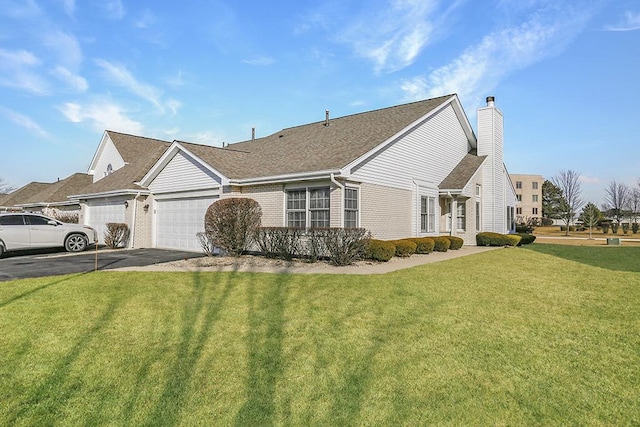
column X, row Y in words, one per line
column 212, row 146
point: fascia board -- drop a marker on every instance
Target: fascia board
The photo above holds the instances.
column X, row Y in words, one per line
column 113, row 193
column 276, row 179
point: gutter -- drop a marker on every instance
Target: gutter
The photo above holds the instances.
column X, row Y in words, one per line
column 109, row 194
column 341, row 187
column 276, row 179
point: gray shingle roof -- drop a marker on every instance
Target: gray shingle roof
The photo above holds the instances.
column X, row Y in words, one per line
column 314, row 147
column 60, row 190
column 462, row 173
column 139, row 154
column 24, row 194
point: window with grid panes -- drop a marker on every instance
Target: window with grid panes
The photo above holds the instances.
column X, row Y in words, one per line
column 350, row 208
column 319, row 201
column 297, row 208
column 427, row 214
column 461, row 222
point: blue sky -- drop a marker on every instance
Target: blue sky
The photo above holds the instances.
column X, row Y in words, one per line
column 564, row 73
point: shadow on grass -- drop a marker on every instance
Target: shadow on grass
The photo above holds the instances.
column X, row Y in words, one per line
column 265, row 351
column 198, row 318
column 37, row 289
column 45, row 401
column 618, row 258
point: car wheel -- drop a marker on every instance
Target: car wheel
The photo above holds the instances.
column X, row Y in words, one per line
column 1, row 250
column 75, row 243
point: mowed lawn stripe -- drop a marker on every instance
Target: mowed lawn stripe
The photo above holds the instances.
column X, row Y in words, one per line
column 511, row 336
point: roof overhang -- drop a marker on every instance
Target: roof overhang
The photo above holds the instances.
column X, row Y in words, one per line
column 114, row 193
column 276, row 179
column 47, row 204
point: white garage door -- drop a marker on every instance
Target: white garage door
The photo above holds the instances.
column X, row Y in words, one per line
column 100, row 213
column 178, row 221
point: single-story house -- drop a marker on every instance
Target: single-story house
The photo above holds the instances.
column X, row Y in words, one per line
column 416, row 169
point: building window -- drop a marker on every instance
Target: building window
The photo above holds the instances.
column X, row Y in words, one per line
column 478, row 190
column 519, row 197
column 297, row 208
column 350, row 207
column 534, row 211
column 534, row 185
column 477, row 216
column 518, row 184
column 427, row 214
column 319, row 201
column 519, row 211
column 534, row 198
column 461, row 214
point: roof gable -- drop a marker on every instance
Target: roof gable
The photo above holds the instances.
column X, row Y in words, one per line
column 24, row 194
column 58, row 192
column 462, row 173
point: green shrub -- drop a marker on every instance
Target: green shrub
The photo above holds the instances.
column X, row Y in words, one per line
column 614, row 227
column 526, row 239
column 634, row 227
column 404, row 248
column 605, row 227
column 442, row 244
column 380, row 250
column 625, row 227
column 456, row 242
column 344, row 246
column 424, row 245
column 487, row 238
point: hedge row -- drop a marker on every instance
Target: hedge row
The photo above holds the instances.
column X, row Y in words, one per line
column 497, row 239
column 384, row 250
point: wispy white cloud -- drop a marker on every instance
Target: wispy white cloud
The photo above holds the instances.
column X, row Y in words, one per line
column 24, row 121
column 18, row 70
column 123, row 77
column 260, row 61
column 391, row 36
column 146, row 20
column 630, row 21
column 74, row 81
column 101, row 115
column 204, row 137
column 173, row 105
column 114, row 9
column 481, row 67
column 69, row 6
column 65, row 46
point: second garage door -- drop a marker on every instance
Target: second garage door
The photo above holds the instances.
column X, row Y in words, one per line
column 178, row 221
column 100, row 213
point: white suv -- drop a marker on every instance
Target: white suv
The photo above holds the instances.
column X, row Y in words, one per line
column 28, row 231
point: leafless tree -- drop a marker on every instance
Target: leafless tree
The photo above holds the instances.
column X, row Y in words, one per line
column 634, row 202
column 568, row 181
column 617, row 198
column 5, row 187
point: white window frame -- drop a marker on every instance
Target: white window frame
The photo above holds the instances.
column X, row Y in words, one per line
column 307, row 210
column 427, row 214
column 350, row 209
column 461, row 216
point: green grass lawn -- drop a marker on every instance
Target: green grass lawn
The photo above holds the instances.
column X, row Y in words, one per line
column 513, row 336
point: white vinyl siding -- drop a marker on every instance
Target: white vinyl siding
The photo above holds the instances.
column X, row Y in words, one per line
column 182, row 173
column 441, row 137
column 108, row 155
column 178, row 221
column 490, row 143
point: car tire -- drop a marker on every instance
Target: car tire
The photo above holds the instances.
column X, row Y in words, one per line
column 75, row 243
column 1, row 250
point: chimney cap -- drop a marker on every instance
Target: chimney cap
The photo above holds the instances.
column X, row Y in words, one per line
column 491, row 100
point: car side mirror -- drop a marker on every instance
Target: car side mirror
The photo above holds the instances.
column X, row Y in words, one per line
column 55, row 224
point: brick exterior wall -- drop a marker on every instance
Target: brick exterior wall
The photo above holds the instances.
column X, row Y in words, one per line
column 386, row 211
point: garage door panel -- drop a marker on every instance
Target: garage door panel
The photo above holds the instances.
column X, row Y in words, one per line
column 179, row 220
column 99, row 214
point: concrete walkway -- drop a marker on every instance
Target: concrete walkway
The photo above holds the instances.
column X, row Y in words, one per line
column 261, row 265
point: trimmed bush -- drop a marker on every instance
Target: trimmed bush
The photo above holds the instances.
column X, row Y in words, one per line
column 404, row 248
column 456, row 242
column 496, row 239
column 442, row 244
column 634, row 228
column 380, row 250
column 116, row 235
column 233, row 224
column 526, row 239
column 605, row 227
column 208, row 248
column 424, row 245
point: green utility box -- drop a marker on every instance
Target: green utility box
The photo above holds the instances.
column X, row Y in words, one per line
column 613, row 241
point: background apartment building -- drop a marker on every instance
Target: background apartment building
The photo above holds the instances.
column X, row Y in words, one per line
column 529, row 196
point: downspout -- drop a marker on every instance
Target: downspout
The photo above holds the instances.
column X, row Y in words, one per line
column 418, row 209
column 133, row 222
column 341, row 187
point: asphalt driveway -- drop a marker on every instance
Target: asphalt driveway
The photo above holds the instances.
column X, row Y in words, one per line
column 21, row 265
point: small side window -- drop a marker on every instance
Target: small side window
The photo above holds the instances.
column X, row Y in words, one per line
column 11, row 220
